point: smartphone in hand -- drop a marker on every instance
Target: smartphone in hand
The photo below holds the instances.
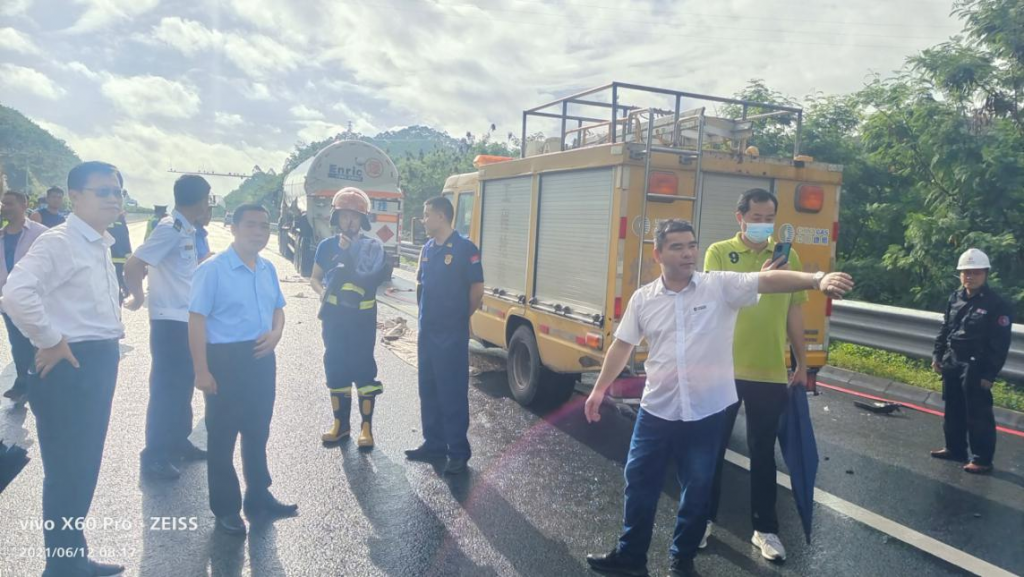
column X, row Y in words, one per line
column 782, row 250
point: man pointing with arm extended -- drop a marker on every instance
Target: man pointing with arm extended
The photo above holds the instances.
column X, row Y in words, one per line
column 688, row 320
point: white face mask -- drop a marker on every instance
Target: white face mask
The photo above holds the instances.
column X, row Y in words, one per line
column 758, row 232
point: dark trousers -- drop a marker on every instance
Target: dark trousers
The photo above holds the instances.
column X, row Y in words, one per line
column 243, row 405
column 171, row 385
column 349, row 339
column 765, row 403
column 694, row 446
column 23, row 352
column 969, row 413
column 444, row 391
column 72, row 410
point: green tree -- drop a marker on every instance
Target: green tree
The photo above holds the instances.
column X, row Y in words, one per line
column 32, row 159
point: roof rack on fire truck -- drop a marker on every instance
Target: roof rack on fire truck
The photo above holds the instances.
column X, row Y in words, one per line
column 674, row 129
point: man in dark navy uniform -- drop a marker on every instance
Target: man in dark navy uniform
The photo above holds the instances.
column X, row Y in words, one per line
column 52, row 214
column 450, row 287
column 120, row 250
column 969, row 353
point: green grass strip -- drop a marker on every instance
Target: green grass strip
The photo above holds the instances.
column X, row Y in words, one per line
column 910, row 371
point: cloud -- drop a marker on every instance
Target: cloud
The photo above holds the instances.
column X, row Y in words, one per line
column 143, row 96
column 303, row 112
column 15, row 41
column 464, row 66
column 228, row 120
column 82, row 69
column 144, row 152
column 254, row 91
column 255, row 55
column 314, row 130
column 100, row 14
column 19, row 78
column 14, row 7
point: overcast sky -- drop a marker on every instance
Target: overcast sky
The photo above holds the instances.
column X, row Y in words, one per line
column 227, row 84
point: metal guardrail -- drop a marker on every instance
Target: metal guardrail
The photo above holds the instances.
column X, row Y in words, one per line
column 409, row 250
column 906, row 331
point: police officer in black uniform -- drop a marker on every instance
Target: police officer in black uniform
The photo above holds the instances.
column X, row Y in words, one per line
column 969, row 352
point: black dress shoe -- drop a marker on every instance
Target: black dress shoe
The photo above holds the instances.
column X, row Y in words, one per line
column 270, row 508
column 424, row 453
column 16, row 394
column 232, row 525
column 192, row 453
column 456, row 466
column 98, row 569
column 613, row 564
column 947, row 455
column 161, row 470
column 682, row 568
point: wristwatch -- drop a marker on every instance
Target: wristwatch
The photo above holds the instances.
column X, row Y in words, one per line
column 817, row 279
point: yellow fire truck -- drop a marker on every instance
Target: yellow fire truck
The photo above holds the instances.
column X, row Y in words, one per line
column 566, row 230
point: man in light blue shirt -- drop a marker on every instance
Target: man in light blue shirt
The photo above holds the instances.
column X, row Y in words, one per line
column 236, row 319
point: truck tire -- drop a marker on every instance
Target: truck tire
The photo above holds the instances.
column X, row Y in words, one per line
column 524, row 369
column 529, row 381
column 304, row 256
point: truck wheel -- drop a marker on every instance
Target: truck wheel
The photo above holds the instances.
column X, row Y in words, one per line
column 304, row 257
column 529, row 381
column 523, row 366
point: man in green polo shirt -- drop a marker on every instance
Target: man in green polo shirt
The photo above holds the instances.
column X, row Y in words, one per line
column 759, row 353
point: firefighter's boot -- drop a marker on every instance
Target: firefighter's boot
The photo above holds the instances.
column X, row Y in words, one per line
column 367, row 400
column 341, row 405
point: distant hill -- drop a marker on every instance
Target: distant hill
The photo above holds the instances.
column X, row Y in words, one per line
column 31, row 158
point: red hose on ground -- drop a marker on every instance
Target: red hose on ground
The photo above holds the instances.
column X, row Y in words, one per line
column 908, row 405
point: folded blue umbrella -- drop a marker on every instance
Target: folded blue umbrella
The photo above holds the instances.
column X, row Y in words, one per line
column 12, row 460
column 800, row 451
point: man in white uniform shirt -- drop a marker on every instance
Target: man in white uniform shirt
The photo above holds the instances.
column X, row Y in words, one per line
column 688, row 319
column 171, row 255
column 64, row 296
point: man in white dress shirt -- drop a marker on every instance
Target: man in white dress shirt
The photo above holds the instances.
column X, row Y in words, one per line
column 688, row 319
column 64, row 296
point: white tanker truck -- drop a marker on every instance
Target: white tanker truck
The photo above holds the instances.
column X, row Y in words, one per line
column 309, row 188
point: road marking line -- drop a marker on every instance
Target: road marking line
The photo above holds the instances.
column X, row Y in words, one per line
column 879, row 523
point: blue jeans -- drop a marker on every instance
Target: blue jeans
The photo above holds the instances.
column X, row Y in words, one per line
column 171, row 382
column 694, row 446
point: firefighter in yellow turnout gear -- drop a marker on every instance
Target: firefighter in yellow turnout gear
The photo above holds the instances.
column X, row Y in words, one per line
column 347, row 271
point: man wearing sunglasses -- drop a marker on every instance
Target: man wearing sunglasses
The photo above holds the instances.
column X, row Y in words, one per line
column 63, row 295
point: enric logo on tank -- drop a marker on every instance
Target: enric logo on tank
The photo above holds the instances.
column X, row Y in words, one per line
column 371, row 167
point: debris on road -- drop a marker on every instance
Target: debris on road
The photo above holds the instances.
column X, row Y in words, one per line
column 880, row 408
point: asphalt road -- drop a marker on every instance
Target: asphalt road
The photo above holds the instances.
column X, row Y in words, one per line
column 544, row 488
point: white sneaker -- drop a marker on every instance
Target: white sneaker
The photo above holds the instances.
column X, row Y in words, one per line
column 707, row 533
column 770, row 546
